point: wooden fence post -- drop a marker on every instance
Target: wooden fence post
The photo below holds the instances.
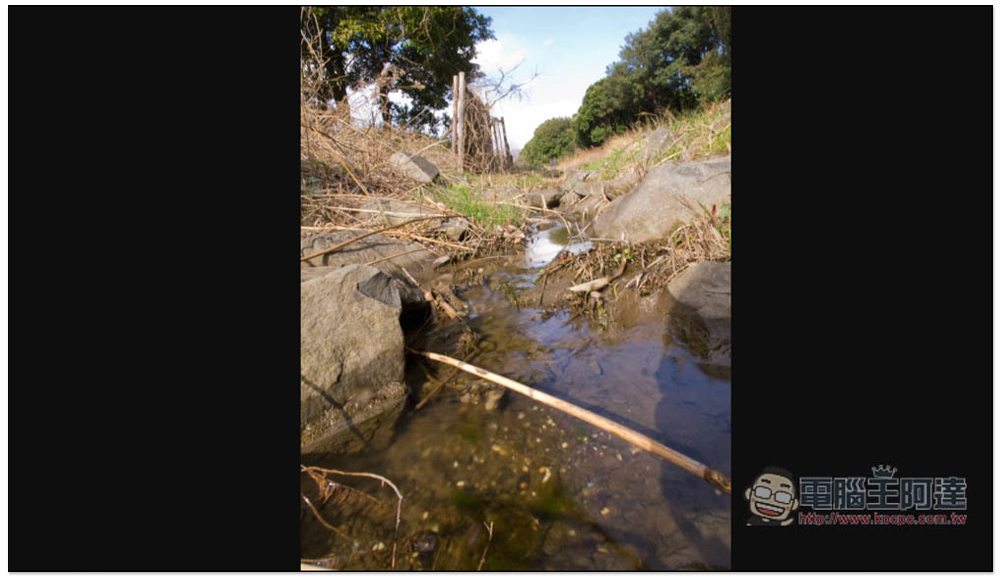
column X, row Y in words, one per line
column 506, row 143
column 461, row 121
column 454, row 115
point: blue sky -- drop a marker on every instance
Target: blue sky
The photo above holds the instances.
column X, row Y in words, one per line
column 569, row 46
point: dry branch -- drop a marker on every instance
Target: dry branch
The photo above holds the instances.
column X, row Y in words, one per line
column 359, row 237
column 713, row 477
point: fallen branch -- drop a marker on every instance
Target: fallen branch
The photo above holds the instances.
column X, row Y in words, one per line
column 487, row 549
column 313, row 470
column 589, row 286
column 359, row 237
column 713, row 477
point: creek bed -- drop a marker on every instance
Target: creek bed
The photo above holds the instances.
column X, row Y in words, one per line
column 560, row 494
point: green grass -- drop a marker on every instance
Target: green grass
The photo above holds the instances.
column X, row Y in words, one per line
column 611, row 165
column 699, row 134
column 468, row 201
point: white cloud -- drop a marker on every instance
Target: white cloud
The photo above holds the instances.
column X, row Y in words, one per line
column 548, row 41
column 496, row 54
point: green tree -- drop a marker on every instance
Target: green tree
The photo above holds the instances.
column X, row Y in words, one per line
column 552, row 138
column 610, row 105
column 413, row 49
column 682, row 58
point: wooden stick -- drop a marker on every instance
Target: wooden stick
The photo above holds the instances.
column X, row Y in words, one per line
column 376, row 261
column 716, row 479
column 359, row 237
column 461, row 122
column 454, row 115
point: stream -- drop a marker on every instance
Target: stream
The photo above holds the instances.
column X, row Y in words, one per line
column 560, row 494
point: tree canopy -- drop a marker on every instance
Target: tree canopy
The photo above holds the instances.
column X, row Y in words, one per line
column 412, row 49
column 552, row 138
column 681, row 59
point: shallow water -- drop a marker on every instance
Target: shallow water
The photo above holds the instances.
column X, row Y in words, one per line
column 561, row 494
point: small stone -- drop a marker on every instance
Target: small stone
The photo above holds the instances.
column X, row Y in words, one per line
column 499, row 449
column 605, row 512
column 379, row 547
column 460, row 484
column 425, row 515
column 520, row 415
column 565, row 445
column 619, row 456
column 454, row 464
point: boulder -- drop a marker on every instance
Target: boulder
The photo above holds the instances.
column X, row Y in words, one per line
column 655, row 143
column 453, row 229
column 586, row 208
column 653, row 209
column 576, row 177
column 702, row 311
column 414, row 167
column 351, row 360
column 368, row 250
column 544, row 198
column 397, row 212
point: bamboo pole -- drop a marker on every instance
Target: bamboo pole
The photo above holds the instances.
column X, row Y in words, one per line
column 716, row 479
column 506, row 143
column 461, row 121
column 454, row 115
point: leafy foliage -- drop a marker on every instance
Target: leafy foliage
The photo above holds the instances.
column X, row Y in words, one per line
column 609, row 107
column 681, row 60
column 552, row 138
column 412, row 49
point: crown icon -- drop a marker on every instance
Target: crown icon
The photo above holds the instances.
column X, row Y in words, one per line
column 884, row 471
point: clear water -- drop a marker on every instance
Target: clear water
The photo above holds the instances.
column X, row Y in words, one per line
column 560, row 494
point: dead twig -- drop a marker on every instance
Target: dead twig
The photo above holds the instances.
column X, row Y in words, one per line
column 713, row 477
column 313, row 470
column 359, row 237
column 489, row 528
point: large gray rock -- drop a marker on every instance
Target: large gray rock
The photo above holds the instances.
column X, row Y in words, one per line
column 392, row 255
column 576, row 177
column 396, row 212
column 351, row 359
column 702, row 311
column 654, row 209
column 454, row 229
column 544, row 198
column 414, row 167
column 656, row 142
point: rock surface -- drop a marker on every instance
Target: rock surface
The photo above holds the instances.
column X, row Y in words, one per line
column 544, row 198
column 653, row 209
column 351, row 359
column 702, row 311
column 367, row 250
column 414, row 167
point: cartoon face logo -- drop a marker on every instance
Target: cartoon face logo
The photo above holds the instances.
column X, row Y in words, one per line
column 772, row 498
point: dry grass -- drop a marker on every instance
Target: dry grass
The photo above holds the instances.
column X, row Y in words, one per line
column 644, row 268
column 347, row 181
column 703, row 132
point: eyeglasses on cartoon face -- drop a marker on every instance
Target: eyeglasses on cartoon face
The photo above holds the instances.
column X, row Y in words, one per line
column 764, row 492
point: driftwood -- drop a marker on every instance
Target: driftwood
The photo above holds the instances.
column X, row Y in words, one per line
column 359, row 237
column 713, row 477
column 589, row 286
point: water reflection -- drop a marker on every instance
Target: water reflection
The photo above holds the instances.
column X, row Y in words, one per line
column 544, row 244
column 561, row 494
